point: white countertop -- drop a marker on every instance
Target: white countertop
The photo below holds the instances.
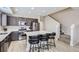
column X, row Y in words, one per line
column 2, row 37
column 37, row 32
column 9, row 30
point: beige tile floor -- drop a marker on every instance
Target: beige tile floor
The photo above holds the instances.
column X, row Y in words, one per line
column 17, row 46
column 20, row 46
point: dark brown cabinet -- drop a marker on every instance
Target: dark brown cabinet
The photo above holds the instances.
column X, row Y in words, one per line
column 0, row 19
column 15, row 36
column 12, row 21
column 4, row 45
column 21, row 19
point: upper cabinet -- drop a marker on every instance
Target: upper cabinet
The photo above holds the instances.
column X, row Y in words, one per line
column 12, row 21
column 4, row 20
column 20, row 21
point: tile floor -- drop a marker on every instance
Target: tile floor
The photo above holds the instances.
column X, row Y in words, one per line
column 17, row 46
column 20, row 46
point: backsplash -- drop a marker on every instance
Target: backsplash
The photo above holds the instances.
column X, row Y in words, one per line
column 16, row 27
column 10, row 28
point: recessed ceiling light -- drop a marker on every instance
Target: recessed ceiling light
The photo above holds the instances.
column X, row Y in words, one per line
column 16, row 9
column 32, row 8
column 44, row 11
column 5, row 7
column 29, row 12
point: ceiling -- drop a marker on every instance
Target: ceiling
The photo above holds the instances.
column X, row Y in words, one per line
column 31, row 11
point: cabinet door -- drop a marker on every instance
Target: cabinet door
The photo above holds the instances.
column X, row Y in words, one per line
column 15, row 36
column 21, row 19
column 2, row 46
column 0, row 20
column 12, row 21
column 7, row 43
column 5, row 46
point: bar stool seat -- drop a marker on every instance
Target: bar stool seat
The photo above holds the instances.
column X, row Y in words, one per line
column 51, row 38
column 34, row 43
column 43, row 41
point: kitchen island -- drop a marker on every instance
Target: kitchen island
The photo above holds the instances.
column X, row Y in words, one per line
column 31, row 34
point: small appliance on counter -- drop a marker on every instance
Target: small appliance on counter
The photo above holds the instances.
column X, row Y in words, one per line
column 4, row 28
column 25, row 28
column 22, row 28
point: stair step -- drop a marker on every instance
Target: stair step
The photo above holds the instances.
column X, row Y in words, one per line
column 65, row 38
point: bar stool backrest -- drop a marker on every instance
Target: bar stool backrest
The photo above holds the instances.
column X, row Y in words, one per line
column 33, row 37
column 42, row 37
column 53, row 33
column 33, row 40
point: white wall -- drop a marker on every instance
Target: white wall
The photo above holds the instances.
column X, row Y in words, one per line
column 67, row 18
column 0, row 28
column 51, row 25
column 42, row 20
column 74, row 35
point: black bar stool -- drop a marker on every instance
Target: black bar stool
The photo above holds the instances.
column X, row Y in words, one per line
column 51, row 37
column 34, row 43
column 43, row 41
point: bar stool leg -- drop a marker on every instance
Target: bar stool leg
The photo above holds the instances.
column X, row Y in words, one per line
column 54, row 43
column 30, row 49
column 47, row 45
column 38, row 48
column 43, row 46
column 33, row 47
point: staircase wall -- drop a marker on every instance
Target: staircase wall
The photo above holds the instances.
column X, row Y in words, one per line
column 49, row 24
column 67, row 18
column 74, row 35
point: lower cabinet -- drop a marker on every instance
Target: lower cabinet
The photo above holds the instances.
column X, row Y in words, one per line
column 1, row 46
column 4, row 45
column 15, row 36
